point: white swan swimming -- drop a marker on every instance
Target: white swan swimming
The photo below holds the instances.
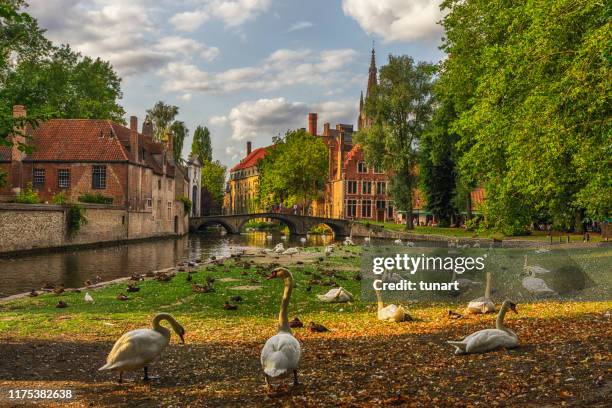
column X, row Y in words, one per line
column 337, row 295
column 482, row 304
column 389, row 313
column 280, row 355
column 489, row 339
column 138, row 348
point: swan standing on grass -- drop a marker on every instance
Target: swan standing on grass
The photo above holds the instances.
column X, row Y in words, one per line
column 489, row 339
column 389, row 313
column 279, row 248
column 482, row 304
column 281, row 354
column 138, row 348
column 291, row 252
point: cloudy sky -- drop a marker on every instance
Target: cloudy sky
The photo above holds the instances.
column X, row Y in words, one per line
column 247, row 69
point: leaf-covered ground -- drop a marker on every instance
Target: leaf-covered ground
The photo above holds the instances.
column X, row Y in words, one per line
column 564, row 358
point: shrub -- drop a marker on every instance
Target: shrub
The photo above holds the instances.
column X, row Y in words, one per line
column 96, row 198
column 28, row 196
column 75, row 218
column 186, row 204
column 60, row 198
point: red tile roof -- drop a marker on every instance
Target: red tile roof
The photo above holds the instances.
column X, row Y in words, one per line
column 354, row 153
column 252, row 159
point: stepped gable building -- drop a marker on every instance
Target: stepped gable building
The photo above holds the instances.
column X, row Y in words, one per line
column 241, row 190
column 79, row 156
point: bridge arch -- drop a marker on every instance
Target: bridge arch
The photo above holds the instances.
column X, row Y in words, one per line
column 230, row 229
column 293, row 229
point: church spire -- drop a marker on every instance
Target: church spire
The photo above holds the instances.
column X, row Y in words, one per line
column 372, row 74
column 361, row 102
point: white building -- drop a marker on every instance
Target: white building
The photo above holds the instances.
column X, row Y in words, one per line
column 194, row 173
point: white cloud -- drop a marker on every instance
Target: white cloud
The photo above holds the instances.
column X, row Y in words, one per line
column 396, row 20
column 187, row 47
column 189, row 20
column 185, row 97
column 282, row 68
column 300, row 25
column 264, row 118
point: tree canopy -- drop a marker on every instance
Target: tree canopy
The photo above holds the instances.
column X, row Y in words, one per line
column 162, row 116
column 213, row 179
column 201, row 145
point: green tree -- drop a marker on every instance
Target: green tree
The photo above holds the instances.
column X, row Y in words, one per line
column 201, row 145
column 161, row 117
column 530, row 82
column 179, row 133
column 401, row 106
column 213, row 179
column 294, row 171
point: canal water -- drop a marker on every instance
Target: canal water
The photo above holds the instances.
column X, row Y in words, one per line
column 73, row 267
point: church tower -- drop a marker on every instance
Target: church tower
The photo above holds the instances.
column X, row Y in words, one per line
column 363, row 121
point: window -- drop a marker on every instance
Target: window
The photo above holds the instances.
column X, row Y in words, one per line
column 380, row 205
column 159, row 184
column 351, row 208
column 98, row 177
column 381, row 187
column 149, row 203
column 390, row 211
column 366, row 187
column 63, row 178
column 378, row 169
column 158, row 209
column 39, row 178
column 351, row 187
column 366, row 209
column 361, row 167
column 169, row 209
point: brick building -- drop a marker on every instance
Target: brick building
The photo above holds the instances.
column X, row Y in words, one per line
column 241, row 191
column 78, row 156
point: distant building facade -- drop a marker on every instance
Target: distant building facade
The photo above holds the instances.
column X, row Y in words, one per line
column 241, row 191
column 194, row 174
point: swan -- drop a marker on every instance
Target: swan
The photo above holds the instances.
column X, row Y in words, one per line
column 291, row 252
column 279, row 249
column 390, row 313
column 542, row 250
column 328, row 250
column 88, row 298
column 281, row 354
column 367, row 240
column 489, row 339
column 533, row 269
column 398, row 241
column 303, row 240
column 336, row 295
column 269, row 237
column 482, row 304
column 283, row 237
column 138, row 348
column 348, row 241
column 537, row 286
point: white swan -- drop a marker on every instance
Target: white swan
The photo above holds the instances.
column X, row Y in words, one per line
column 367, row 240
column 291, row 251
column 389, row 313
column 279, row 249
column 337, row 295
column 398, row 241
column 348, row 241
column 482, row 304
column 281, row 354
column 489, row 339
column 534, row 269
column 303, row 240
column 328, row 250
column 137, row 349
column 88, row 298
column 537, row 286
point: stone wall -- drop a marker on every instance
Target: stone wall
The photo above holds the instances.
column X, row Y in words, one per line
column 37, row 226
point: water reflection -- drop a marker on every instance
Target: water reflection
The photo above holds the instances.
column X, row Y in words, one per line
column 73, row 268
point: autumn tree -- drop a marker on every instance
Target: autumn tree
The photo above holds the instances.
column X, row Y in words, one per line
column 294, row 171
column 400, row 107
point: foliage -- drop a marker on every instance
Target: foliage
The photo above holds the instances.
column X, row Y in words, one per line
column 3, row 178
column 179, row 133
column 213, row 179
column 201, row 145
column 530, row 83
column 28, row 196
column 187, row 204
column 294, row 171
column 161, row 117
column 400, row 106
column 67, row 84
column 76, row 218
column 59, row 198
column 95, row 198
column 260, row 225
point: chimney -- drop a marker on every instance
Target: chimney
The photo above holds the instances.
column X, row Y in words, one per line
column 147, row 129
column 326, row 129
column 134, row 138
column 249, row 146
column 340, row 155
column 312, row 123
column 16, row 170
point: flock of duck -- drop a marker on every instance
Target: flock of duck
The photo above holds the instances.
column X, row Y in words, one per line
column 280, row 355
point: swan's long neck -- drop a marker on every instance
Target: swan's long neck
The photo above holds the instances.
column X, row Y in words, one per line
column 499, row 323
column 283, row 318
column 488, row 287
column 161, row 329
column 379, row 301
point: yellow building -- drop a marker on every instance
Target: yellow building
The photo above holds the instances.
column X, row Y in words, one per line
column 241, row 192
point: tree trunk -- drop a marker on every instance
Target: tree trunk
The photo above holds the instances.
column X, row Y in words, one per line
column 468, row 206
column 409, row 223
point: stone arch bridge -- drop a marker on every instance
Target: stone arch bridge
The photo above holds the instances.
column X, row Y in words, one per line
column 297, row 224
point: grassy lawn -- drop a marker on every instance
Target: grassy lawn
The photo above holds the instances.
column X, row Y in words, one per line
column 360, row 362
column 463, row 233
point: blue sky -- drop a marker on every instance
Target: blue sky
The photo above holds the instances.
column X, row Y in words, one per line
column 247, row 69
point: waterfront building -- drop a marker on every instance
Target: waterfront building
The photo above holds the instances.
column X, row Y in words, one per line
column 194, row 175
column 241, row 192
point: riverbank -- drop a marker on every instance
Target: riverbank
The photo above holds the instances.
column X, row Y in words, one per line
column 346, row 366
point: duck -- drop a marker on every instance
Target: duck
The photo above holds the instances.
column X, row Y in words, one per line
column 139, row 348
column 33, row 293
column 228, row 306
column 48, row 286
column 454, row 315
column 337, row 295
column 489, row 339
column 87, row 282
column 317, row 328
column 163, row 277
column 88, row 298
column 189, row 278
column 533, row 269
column 296, row 323
column 280, row 355
column 121, row 296
column 482, row 305
column 58, row 290
column 236, row 298
column 61, row 304
column 291, row 251
column 390, row 313
column 132, row 288
column 198, row 288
